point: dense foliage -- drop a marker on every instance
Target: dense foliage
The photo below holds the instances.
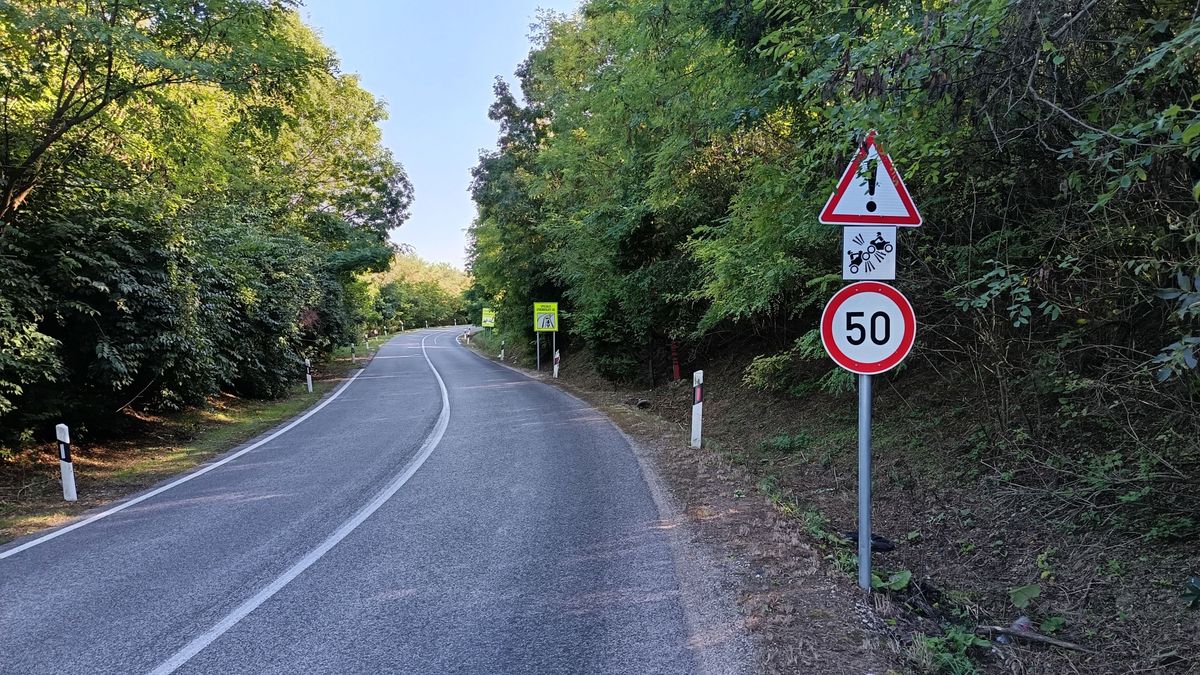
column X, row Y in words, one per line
column 190, row 193
column 414, row 292
column 663, row 174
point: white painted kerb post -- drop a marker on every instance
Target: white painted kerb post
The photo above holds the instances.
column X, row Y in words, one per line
column 308, row 373
column 64, row 462
column 556, row 359
column 697, row 405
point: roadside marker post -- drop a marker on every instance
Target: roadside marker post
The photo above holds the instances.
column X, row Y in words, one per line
column 308, row 374
column 697, row 406
column 674, row 361
column 556, row 359
column 868, row 327
column 65, row 465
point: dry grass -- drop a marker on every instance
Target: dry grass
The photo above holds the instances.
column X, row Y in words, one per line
column 967, row 536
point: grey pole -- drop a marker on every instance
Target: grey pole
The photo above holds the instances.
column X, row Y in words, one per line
column 538, row 349
column 864, row 482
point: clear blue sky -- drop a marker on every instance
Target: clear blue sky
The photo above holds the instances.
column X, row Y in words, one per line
column 433, row 63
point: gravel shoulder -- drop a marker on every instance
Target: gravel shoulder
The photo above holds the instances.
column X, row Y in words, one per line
column 790, row 611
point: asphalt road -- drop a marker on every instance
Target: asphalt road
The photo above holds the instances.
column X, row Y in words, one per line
column 439, row 514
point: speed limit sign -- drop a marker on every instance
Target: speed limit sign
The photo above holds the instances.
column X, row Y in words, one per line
column 868, row 327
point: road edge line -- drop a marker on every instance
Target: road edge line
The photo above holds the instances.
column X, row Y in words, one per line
column 240, row 612
column 731, row 653
column 178, row 481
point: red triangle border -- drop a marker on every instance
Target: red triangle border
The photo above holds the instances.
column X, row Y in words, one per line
column 913, row 219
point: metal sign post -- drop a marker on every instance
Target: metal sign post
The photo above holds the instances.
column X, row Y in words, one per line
column 868, row 327
column 545, row 320
column 864, row 482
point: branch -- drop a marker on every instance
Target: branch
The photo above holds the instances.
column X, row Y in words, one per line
column 1083, row 10
column 1032, row 637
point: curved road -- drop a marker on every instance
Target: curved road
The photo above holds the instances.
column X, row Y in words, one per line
column 437, row 514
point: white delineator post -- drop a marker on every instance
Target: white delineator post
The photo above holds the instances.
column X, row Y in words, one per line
column 308, row 373
column 697, row 405
column 64, row 462
column 556, row 359
column 502, row 350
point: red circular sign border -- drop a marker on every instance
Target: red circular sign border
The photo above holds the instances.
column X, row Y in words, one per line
column 861, row 367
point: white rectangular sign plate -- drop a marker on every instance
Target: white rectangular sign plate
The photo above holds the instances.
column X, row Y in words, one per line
column 869, row 253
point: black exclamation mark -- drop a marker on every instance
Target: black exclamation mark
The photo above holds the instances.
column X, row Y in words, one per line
column 873, row 167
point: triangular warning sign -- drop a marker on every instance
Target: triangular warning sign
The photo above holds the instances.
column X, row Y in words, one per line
column 871, row 192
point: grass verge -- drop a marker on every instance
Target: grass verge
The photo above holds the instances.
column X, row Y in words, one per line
column 156, row 447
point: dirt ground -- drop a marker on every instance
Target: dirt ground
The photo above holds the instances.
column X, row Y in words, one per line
column 774, row 488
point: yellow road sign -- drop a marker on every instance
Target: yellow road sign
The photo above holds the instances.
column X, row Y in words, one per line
column 545, row 317
column 489, row 317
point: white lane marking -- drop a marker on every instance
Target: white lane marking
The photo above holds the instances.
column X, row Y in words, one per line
column 195, row 474
column 241, row 611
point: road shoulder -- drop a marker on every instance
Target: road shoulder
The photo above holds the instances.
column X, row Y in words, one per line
column 751, row 583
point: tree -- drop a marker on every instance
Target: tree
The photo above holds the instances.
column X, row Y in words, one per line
column 193, row 194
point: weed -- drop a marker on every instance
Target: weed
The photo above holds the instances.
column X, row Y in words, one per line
column 815, row 523
column 1114, row 569
column 1052, row 624
column 1044, row 565
column 947, row 653
column 1021, row 596
column 785, row 443
column 845, row 561
column 896, row 581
